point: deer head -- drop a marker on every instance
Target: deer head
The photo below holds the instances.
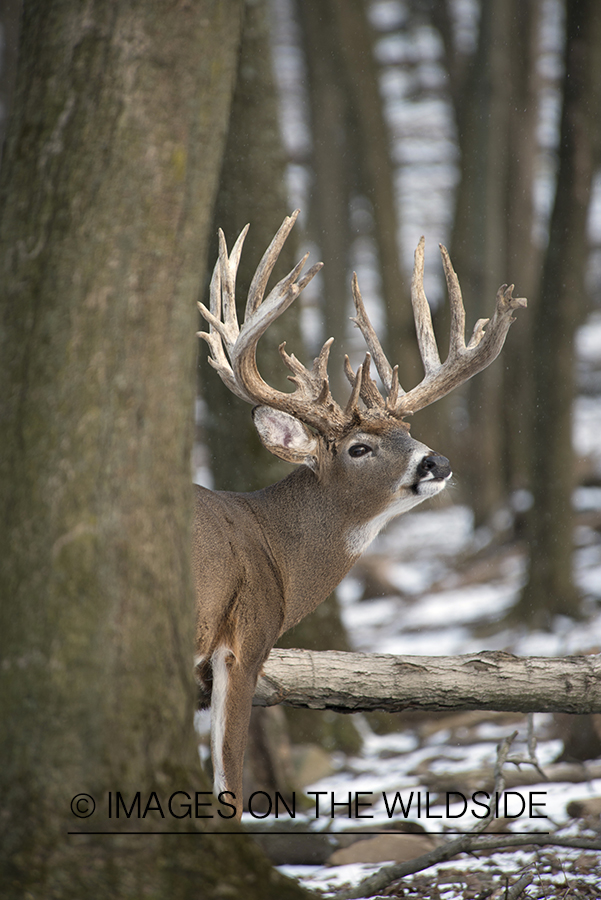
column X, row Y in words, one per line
column 306, row 425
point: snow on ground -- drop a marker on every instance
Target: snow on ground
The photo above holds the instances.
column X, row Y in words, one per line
column 405, row 761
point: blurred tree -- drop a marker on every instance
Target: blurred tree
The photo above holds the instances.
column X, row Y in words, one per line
column 494, row 95
column 10, row 15
column 377, row 180
column 107, row 185
column 560, row 310
column 252, row 189
column 523, row 252
column 334, row 171
column 322, row 630
column 352, row 157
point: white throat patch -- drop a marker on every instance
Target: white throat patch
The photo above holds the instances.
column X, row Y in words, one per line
column 358, row 539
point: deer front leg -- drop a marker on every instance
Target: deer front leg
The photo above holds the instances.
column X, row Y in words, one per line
column 233, row 689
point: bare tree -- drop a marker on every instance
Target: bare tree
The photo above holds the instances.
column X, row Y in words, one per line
column 251, row 190
column 334, row 165
column 493, row 91
column 351, row 157
column 550, row 589
column 10, row 15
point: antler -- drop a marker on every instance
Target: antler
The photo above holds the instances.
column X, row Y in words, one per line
column 233, row 348
column 462, row 362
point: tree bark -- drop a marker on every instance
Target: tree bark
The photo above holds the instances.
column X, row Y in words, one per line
column 356, row 40
column 108, row 182
column 251, row 190
column 550, row 589
column 485, row 90
column 10, row 17
column 335, row 176
column 361, row 682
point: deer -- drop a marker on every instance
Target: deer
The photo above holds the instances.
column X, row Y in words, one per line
column 262, row 561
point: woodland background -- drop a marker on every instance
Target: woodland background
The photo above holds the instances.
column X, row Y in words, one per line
column 132, row 130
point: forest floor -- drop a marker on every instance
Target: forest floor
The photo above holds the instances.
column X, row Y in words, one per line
column 467, row 583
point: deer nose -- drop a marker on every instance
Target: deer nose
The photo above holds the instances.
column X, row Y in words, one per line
column 434, row 466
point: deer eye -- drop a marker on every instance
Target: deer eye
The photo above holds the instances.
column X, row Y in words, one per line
column 359, row 450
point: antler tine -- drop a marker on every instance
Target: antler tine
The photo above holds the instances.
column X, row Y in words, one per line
column 277, row 301
column 215, row 287
column 462, row 362
column 310, row 384
column 314, row 387
column 222, row 316
column 426, row 340
column 457, row 330
column 268, row 261
column 353, row 400
column 361, row 320
column 229, row 270
column 219, row 334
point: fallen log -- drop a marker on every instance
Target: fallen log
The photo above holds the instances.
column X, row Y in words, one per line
column 490, row 680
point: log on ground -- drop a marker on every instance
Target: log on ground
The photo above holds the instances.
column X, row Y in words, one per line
column 491, row 680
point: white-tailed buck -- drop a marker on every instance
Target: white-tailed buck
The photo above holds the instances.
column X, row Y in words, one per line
column 264, row 560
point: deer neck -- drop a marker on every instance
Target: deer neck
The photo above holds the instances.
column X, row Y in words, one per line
column 309, row 540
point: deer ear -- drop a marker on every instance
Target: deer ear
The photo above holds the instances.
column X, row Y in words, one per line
column 285, row 436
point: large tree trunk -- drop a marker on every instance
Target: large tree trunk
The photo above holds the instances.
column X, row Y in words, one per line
column 107, row 187
column 10, row 17
column 561, row 309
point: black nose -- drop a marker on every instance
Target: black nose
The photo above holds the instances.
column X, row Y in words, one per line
column 435, row 465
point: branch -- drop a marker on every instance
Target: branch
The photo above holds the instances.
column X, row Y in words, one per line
column 481, row 779
column 467, row 843
column 361, row 682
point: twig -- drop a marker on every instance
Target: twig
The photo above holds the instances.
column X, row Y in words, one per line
column 455, row 846
column 502, row 753
column 531, row 759
column 520, row 885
